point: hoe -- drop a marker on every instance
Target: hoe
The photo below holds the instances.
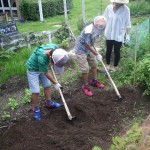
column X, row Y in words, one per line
column 70, row 117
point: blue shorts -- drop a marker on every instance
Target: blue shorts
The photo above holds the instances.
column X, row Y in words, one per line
column 34, row 79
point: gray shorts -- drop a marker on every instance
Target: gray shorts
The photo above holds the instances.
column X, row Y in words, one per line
column 85, row 61
column 34, row 79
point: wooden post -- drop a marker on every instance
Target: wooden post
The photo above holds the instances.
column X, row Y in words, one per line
column 11, row 14
column 2, row 5
column 83, row 13
column 135, row 53
column 49, row 37
column 101, row 7
column 18, row 11
column 65, row 12
column 28, row 45
column 149, row 33
column 40, row 10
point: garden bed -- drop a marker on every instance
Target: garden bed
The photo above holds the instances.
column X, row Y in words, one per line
column 98, row 119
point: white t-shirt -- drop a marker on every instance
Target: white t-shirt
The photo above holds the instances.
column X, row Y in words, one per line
column 117, row 22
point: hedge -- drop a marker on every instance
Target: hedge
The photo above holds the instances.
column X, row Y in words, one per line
column 30, row 10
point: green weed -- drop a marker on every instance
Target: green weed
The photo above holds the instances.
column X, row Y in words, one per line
column 65, row 44
column 27, row 98
column 133, row 137
column 15, row 66
column 96, row 148
column 6, row 54
column 13, row 104
column 143, row 74
column 5, row 115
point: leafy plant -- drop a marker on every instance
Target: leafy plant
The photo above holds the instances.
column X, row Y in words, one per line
column 6, row 54
column 68, row 76
column 143, row 49
column 143, row 74
column 124, row 77
column 13, row 104
column 133, row 137
column 62, row 34
column 27, row 97
column 137, row 20
column 65, row 43
column 5, row 115
column 96, row 148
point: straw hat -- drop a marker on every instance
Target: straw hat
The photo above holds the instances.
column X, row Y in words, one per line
column 120, row 1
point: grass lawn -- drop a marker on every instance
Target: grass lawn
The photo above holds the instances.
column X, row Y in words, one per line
column 92, row 9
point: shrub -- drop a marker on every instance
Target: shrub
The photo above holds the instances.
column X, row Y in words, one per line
column 60, row 6
column 143, row 74
column 30, row 10
column 62, row 34
column 143, row 49
column 140, row 8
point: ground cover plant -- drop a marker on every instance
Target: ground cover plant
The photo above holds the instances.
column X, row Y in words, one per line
column 101, row 121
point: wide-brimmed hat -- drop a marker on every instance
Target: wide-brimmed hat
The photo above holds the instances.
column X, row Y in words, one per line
column 60, row 58
column 120, row 1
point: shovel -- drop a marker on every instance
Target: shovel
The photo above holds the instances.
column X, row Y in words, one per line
column 116, row 90
column 62, row 97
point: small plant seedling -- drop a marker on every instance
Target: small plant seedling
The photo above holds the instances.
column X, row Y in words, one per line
column 96, row 148
column 27, row 97
column 13, row 104
column 5, row 115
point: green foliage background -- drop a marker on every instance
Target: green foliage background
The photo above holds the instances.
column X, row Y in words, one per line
column 30, row 9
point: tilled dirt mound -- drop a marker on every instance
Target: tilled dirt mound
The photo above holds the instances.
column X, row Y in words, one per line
column 96, row 120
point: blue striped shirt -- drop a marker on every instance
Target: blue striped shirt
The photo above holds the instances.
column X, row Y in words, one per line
column 87, row 36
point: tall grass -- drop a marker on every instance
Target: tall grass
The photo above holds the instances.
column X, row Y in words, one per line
column 15, row 66
column 140, row 8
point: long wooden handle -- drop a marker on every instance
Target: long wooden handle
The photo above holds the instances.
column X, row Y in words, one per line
column 116, row 90
column 62, row 97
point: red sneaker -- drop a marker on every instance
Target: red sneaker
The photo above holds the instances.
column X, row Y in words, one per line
column 87, row 90
column 97, row 84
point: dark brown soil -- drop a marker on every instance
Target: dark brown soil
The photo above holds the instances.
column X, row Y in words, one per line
column 98, row 118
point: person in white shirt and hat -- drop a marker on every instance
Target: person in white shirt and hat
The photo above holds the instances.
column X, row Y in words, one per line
column 117, row 30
